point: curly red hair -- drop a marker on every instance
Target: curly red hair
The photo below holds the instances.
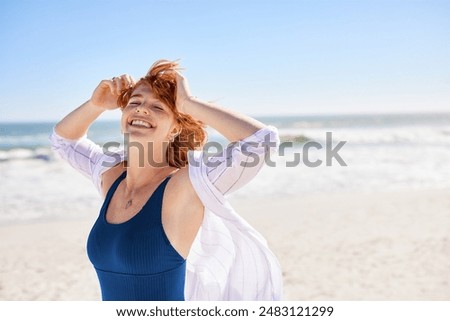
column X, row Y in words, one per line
column 161, row 78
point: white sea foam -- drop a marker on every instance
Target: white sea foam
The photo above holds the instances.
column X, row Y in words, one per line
column 381, row 135
column 37, row 189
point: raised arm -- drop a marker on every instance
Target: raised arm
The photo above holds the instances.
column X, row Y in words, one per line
column 233, row 125
column 69, row 140
column 76, row 124
column 253, row 141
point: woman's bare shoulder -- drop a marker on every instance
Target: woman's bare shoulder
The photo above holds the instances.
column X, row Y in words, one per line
column 180, row 184
column 110, row 176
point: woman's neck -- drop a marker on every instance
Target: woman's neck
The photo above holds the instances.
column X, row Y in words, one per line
column 144, row 168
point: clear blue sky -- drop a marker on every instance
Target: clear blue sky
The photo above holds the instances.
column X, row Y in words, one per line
column 259, row 57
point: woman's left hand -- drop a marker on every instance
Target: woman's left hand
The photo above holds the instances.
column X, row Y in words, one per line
column 183, row 93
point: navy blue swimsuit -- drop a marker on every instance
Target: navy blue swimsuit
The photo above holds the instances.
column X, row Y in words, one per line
column 134, row 260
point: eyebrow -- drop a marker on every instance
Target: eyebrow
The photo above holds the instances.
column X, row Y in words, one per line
column 137, row 95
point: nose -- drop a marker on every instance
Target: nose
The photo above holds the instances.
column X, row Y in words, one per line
column 141, row 110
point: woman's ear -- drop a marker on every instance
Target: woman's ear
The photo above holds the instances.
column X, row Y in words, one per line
column 176, row 130
column 174, row 133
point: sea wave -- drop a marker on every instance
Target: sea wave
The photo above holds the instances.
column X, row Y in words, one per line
column 370, row 136
column 43, row 154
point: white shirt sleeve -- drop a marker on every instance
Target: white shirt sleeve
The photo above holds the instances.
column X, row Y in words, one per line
column 239, row 163
column 86, row 156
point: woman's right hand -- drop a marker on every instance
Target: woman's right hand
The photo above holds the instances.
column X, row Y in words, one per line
column 107, row 92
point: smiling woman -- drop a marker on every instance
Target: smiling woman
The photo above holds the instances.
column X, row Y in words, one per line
column 155, row 94
column 165, row 230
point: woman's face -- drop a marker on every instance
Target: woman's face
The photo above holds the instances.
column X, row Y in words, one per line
column 146, row 118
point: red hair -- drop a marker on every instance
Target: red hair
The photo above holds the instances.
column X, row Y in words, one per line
column 162, row 80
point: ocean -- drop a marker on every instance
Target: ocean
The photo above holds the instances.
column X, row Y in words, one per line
column 362, row 153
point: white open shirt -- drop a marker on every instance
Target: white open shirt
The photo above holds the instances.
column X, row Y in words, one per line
column 229, row 259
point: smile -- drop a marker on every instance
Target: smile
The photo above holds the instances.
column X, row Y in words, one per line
column 140, row 123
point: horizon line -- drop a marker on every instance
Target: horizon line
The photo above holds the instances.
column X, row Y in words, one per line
column 325, row 114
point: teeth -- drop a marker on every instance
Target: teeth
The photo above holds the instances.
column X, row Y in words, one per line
column 138, row 122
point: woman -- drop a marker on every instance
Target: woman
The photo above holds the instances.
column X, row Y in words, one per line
column 166, row 230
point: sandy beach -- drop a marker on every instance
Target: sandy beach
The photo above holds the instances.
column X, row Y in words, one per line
column 337, row 246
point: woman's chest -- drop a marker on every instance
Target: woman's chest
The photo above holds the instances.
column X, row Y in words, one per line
column 138, row 246
column 121, row 208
